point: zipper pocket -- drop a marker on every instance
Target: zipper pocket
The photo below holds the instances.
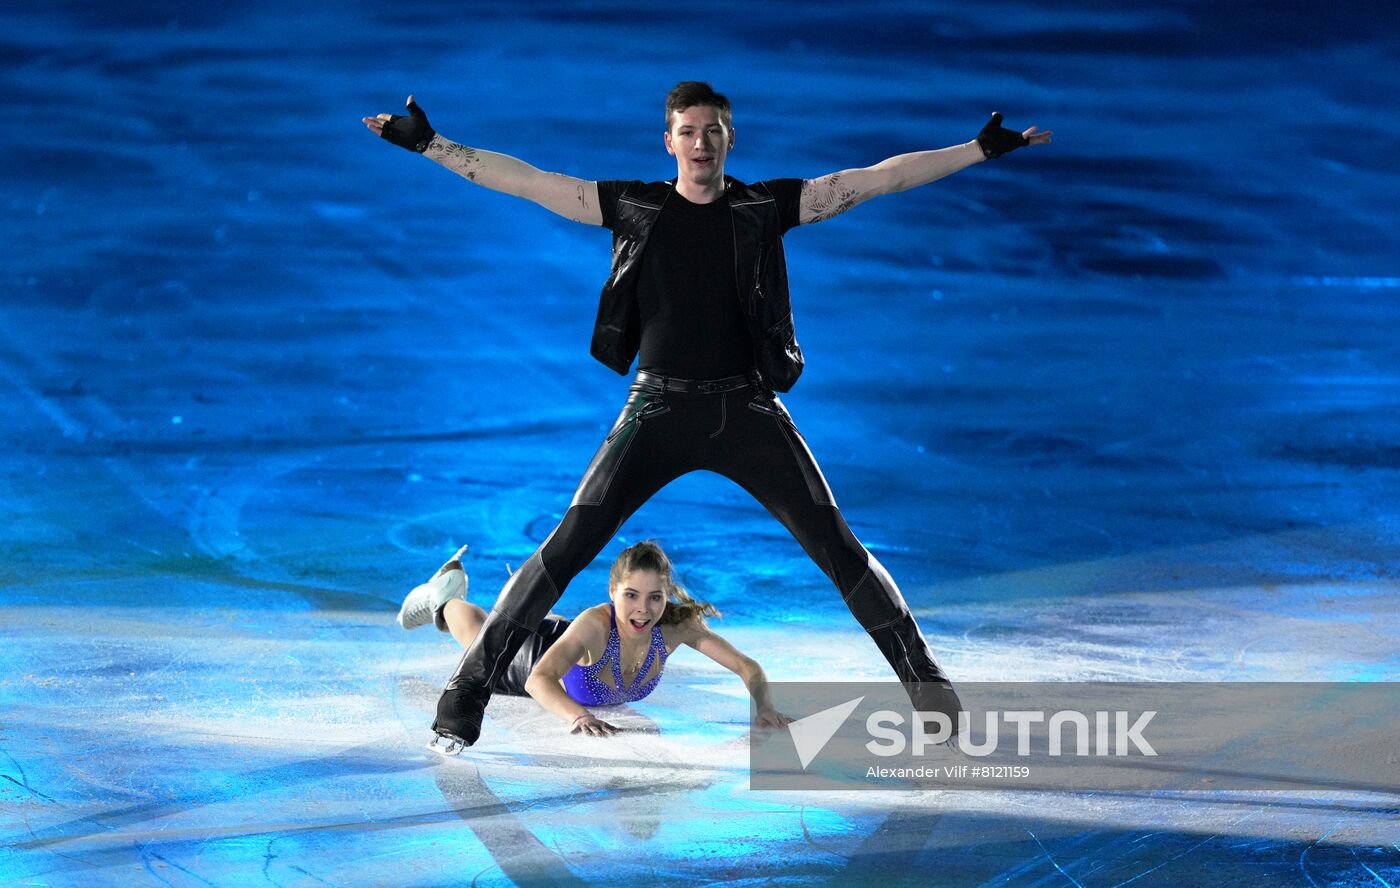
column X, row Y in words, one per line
column 647, row 411
column 768, row 408
column 785, row 322
column 756, row 294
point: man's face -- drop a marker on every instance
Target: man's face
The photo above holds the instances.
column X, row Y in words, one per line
column 700, row 141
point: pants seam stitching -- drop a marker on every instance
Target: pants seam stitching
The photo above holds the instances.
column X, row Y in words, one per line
column 723, row 414
column 802, row 464
column 847, row 596
column 607, row 485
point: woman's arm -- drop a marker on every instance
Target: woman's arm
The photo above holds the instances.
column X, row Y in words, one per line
column 588, row 632
column 696, row 634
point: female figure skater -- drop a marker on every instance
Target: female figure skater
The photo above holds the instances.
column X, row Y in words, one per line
column 612, row 653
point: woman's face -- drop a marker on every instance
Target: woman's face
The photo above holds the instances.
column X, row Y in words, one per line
column 639, row 600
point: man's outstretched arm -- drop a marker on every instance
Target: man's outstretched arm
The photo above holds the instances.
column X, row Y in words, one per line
column 572, row 198
column 834, row 194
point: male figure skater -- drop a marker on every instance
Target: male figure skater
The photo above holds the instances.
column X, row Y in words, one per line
column 698, row 288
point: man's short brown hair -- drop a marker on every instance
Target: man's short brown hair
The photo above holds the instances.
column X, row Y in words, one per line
column 689, row 93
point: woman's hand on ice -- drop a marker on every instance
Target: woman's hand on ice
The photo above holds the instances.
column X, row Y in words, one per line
column 769, row 717
column 593, row 727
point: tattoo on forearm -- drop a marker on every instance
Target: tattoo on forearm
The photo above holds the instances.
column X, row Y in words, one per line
column 828, row 196
column 461, row 158
column 582, row 197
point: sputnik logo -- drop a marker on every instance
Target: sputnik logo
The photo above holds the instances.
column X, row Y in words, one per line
column 811, row 734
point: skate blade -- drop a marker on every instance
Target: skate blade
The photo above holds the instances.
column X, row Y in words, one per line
column 446, row 745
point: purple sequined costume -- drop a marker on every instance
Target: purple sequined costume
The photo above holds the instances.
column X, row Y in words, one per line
column 583, row 684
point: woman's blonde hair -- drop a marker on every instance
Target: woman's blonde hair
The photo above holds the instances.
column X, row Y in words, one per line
column 648, row 555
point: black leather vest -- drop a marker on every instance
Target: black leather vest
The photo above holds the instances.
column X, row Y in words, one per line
column 760, row 276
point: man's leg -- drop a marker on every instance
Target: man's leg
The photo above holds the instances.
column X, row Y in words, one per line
column 766, row 455
column 637, row 459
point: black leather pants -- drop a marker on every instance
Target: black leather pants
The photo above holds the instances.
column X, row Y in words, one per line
column 666, row 429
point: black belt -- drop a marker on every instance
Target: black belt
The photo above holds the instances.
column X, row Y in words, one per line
column 697, row 386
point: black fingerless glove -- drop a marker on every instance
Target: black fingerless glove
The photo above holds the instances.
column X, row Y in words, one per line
column 412, row 132
column 995, row 139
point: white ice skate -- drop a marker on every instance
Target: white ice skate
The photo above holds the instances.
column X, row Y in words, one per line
column 424, row 604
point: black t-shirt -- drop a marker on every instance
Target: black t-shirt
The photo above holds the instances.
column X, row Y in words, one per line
column 692, row 323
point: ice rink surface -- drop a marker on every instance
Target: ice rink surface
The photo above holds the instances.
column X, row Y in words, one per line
column 1122, row 407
